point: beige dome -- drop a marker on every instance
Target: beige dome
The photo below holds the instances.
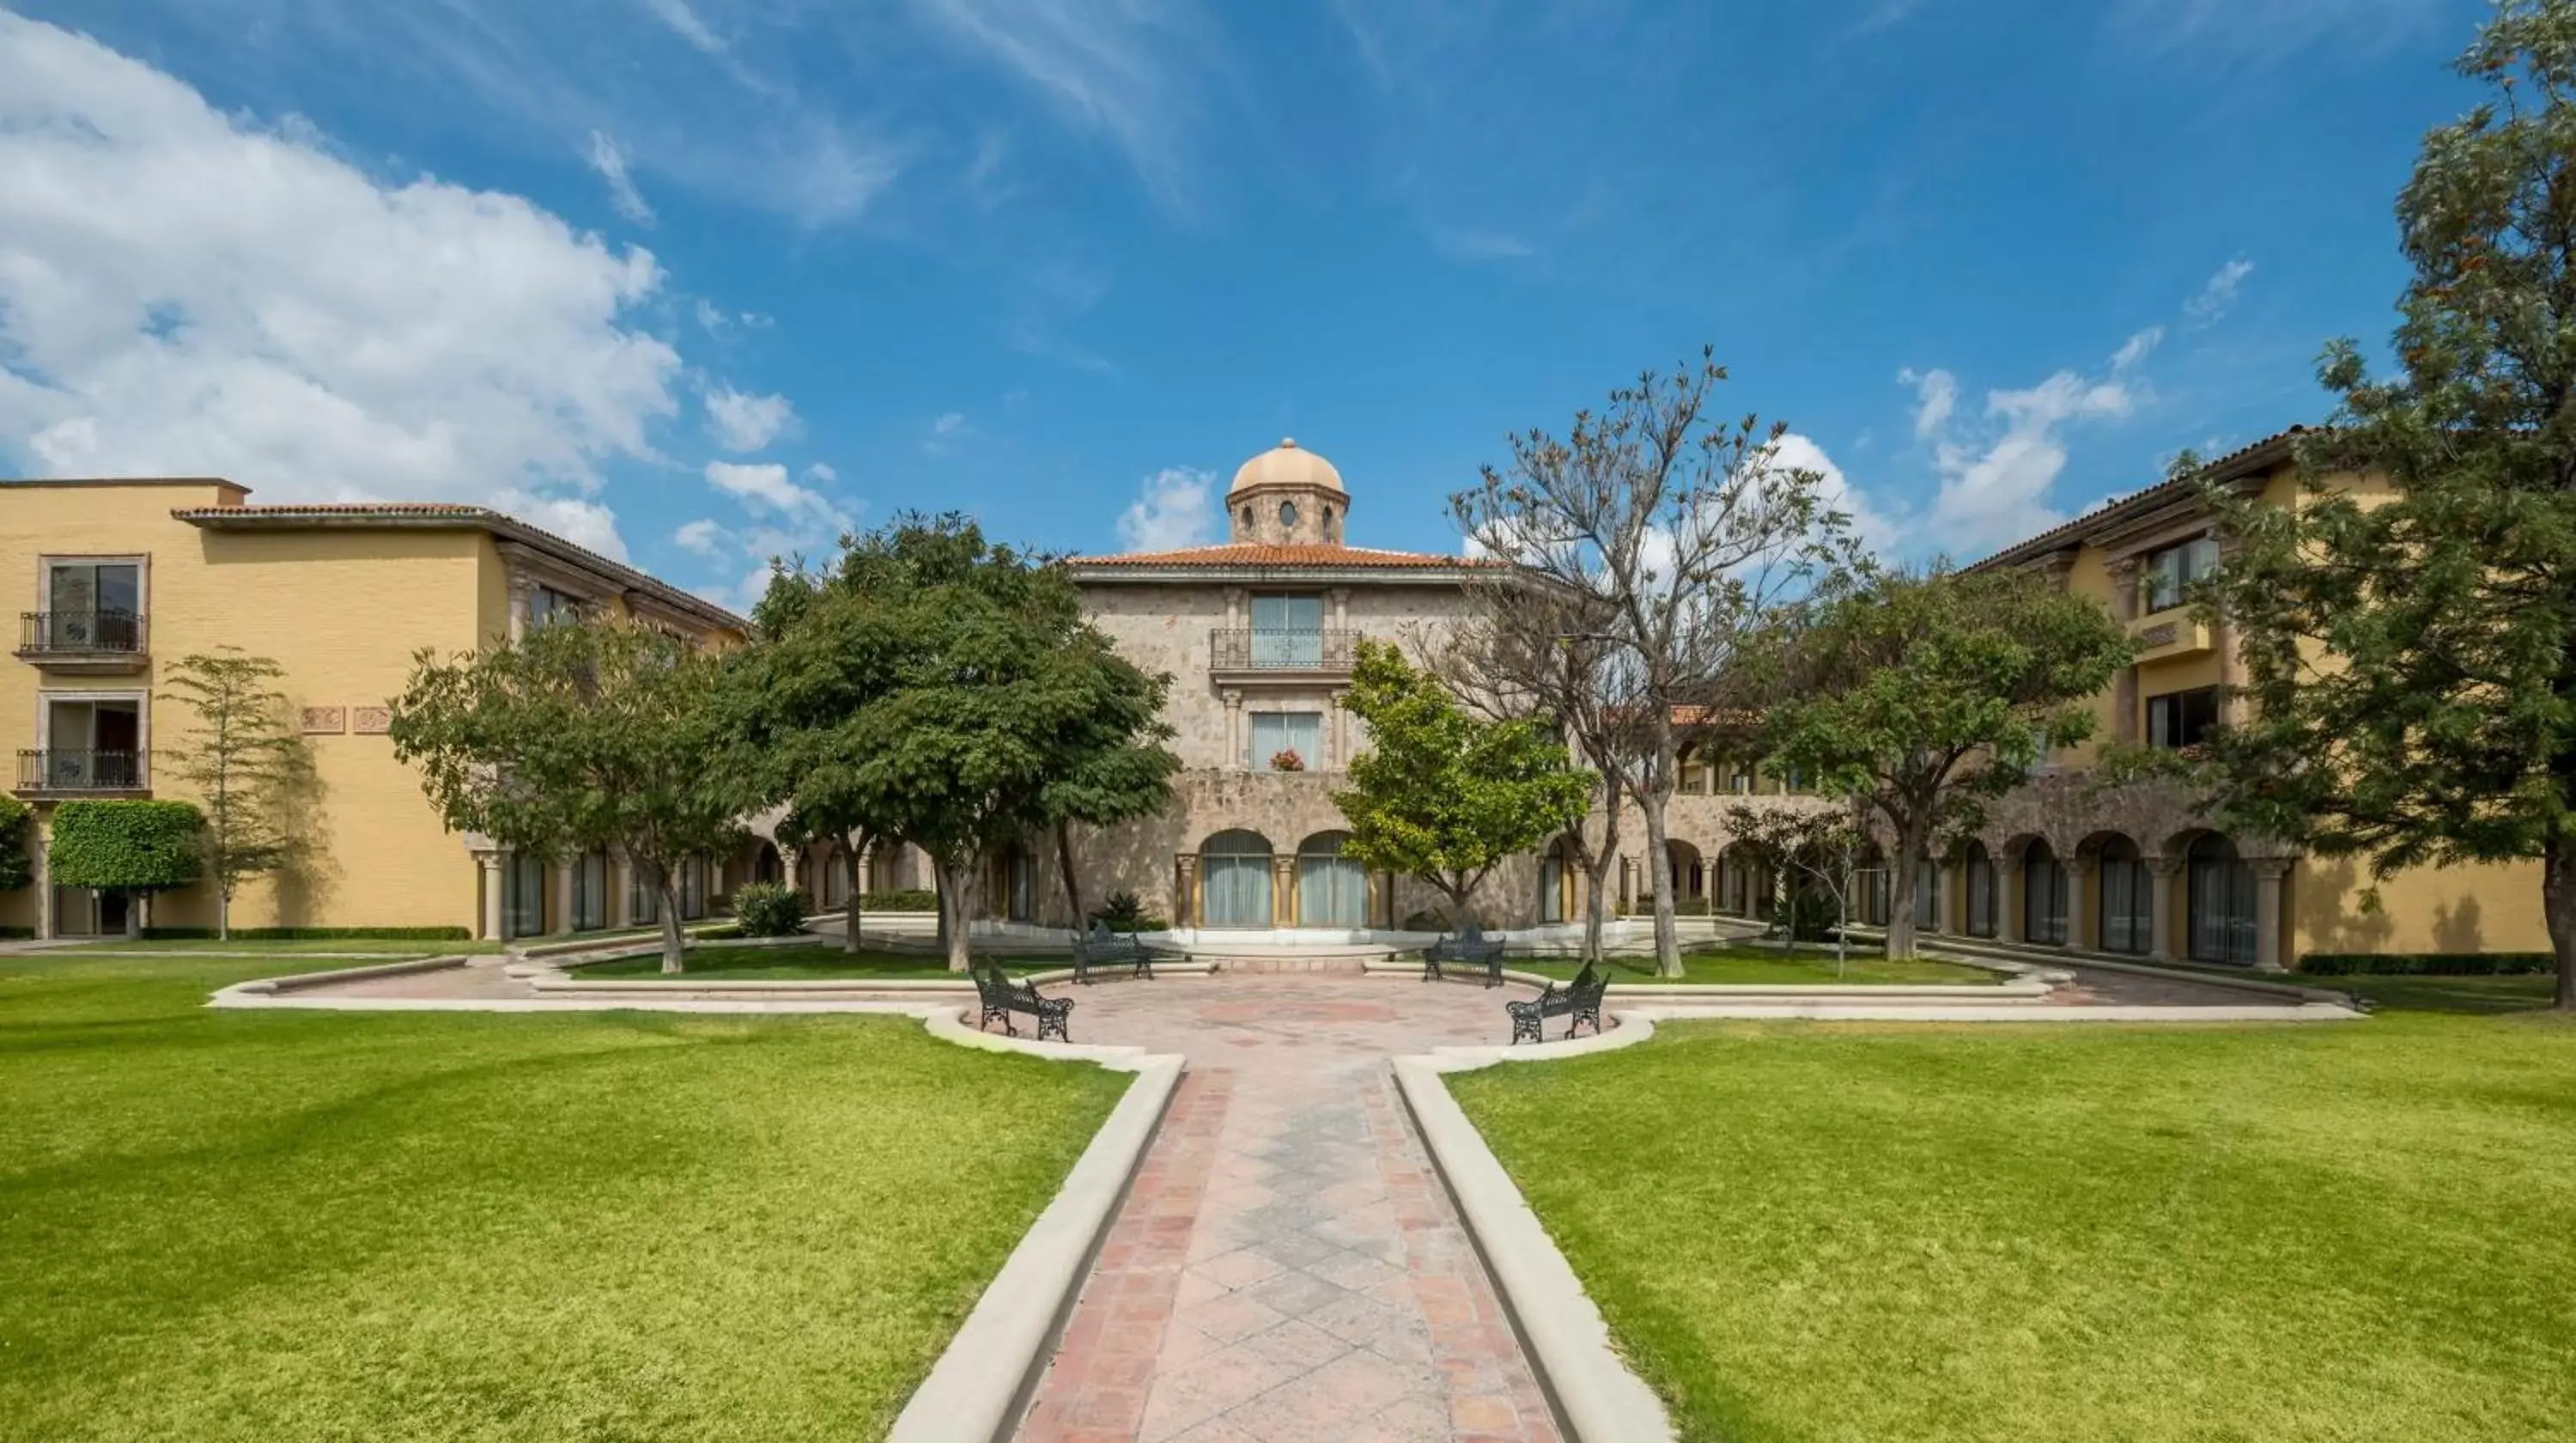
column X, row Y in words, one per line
column 1287, row 464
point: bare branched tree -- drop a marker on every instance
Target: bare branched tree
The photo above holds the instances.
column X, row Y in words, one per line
column 1679, row 531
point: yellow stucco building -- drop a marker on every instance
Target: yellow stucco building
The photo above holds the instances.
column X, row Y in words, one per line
column 115, row 580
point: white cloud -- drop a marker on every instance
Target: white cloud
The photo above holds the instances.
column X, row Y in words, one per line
column 741, row 422
column 765, row 488
column 1172, row 510
column 1995, row 486
column 187, row 292
column 1479, row 245
column 706, row 536
column 820, row 472
column 948, row 424
column 1795, row 452
column 2217, row 295
column 1936, row 395
column 684, row 22
column 1107, row 69
column 2136, row 349
column 610, row 162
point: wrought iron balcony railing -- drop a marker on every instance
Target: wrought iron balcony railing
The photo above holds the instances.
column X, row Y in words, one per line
column 64, row 770
column 1252, row 649
column 49, row 633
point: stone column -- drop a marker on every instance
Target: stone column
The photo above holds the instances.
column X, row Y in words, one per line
column 2079, row 900
column 1341, row 733
column 494, row 919
column 561, row 917
column 45, row 920
column 788, row 869
column 521, row 584
column 1283, row 889
column 1185, row 889
column 1235, row 744
column 867, row 874
column 1944, row 904
column 2011, row 902
column 2271, row 877
column 1234, row 617
column 621, row 890
column 1341, row 601
column 2163, row 903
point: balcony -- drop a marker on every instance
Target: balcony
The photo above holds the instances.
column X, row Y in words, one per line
column 85, row 643
column 2173, row 632
column 61, row 773
column 1246, row 654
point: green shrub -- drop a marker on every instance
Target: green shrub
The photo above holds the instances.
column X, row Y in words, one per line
column 125, row 846
column 768, row 909
column 17, row 933
column 315, row 934
column 1808, row 917
column 17, row 831
column 911, row 899
column 1125, row 912
column 2425, row 964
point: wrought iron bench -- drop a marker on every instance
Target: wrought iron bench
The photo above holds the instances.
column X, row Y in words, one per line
column 1578, row 1001
column 1001, row 997
column 1101, row 948
column 1468, row 949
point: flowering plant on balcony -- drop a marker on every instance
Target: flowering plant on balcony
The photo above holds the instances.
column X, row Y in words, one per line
column 1286, row 760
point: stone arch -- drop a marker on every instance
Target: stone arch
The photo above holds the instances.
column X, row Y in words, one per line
column 1689, row 873
column 1332, row 890
column 1235, row 880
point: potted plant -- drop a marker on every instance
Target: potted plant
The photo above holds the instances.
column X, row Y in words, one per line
column 1286, row 760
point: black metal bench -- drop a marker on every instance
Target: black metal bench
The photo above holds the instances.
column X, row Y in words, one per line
column 1578, row 1001
column 1001, row 997
column 1102, row 948
column 1466, row 950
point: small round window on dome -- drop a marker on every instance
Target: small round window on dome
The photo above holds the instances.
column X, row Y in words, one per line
column 1247, row 515
column 1287, row 513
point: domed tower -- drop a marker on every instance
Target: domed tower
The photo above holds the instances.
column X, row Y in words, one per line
column 1287, row 496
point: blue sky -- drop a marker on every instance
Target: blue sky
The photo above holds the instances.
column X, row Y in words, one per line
column 697, row 280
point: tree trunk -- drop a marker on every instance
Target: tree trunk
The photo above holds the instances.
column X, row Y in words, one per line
column 952, row 909
column 223, row 914
column 2558, row 908
column 1064, row 859
column 675, row 948
column 1905, row 870
column 853, row 920
column 1659, row 879
column 1460, row 913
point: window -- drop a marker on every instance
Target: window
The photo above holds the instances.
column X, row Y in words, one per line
column 1287, row 630
column 2128, row 897
column 1927, row 894
column 523, row 895
column 1274, row 732
column 1332, row 890
column 93, row 605
column 546, row 606
column 2220, row 906
column 94, row 742
column 1981, row 891
column 643, row 899
column 1235, row 880
column 590, row 892
column 693, row 889
column 2181, row 718
column 1287, row 513
column 1247, row 518
column 2043, row 896
column 2170, row 572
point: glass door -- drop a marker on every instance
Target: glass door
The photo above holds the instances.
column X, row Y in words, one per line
column 1287, row 631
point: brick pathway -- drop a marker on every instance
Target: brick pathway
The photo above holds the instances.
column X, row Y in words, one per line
column 1288, row 1266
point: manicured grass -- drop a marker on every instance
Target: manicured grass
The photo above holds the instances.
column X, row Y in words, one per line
column 2474, row 995
column 802, row 964
column 1849, row 1231
column 1754, row 963
column 388, row 947
column 265, row 1226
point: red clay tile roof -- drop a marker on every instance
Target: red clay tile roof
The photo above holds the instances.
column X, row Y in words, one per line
column 2243, row 461
column 1268, row 556
column 327, row 513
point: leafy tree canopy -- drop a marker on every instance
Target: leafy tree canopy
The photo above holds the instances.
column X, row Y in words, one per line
column 247, row 765
column 1924, row 694
column 2410, row 648
column 1442, row 794
column 17, row 834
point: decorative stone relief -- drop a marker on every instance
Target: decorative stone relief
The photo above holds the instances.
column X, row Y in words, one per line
column 325, row 720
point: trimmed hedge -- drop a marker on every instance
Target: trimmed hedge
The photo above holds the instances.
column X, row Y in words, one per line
column 2425, row 964
column 909, row 900
column 17, row 933
column 125, row 846
column 314, row 934
column 17, row 831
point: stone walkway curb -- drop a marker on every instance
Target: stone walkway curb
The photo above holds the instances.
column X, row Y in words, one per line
column 268, row 986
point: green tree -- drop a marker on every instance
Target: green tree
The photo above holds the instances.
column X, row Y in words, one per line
column 1444, row 795
column 1807, row 847
column 17, row 833
column 2410, row 654
column 578, row 735
column 1680, row 530
column 133, row 847
column 249, row 768
column 946, row 690
column 1924, row 695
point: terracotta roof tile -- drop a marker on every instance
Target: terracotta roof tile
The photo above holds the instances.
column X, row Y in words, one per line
column 1266, row 554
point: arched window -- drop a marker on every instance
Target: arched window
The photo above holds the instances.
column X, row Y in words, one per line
column 1553, row 883
column 1927, row 894
column 1247, row 518
column 1332, row 890
column 1981, row 891
column 1234, row 880
column 2128, row 898
column 1287, row 513
column 2221, row 902
column 2043, row 896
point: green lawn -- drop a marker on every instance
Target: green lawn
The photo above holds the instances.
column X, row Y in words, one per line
column 801, row 964
column 606, row 1226
column 1851, row 1231
column 1754, row 963
column 389, row 947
